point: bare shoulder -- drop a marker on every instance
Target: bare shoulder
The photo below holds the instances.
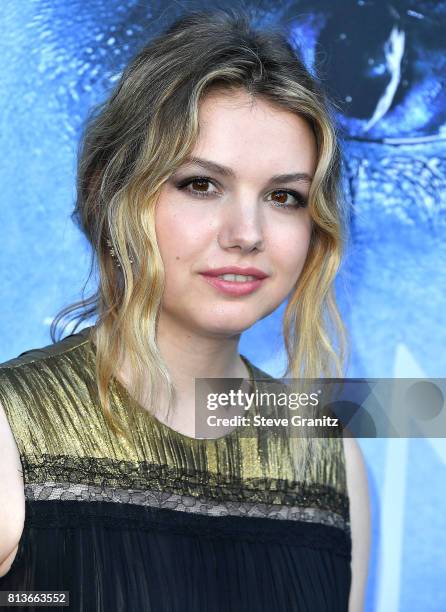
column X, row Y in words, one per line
column 358, row 493
column 12, row 506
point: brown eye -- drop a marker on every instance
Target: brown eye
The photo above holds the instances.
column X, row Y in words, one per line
column 280, row 196
column 199, row 185
column 280, row 199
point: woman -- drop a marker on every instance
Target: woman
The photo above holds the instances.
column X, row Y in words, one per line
column 208, row 189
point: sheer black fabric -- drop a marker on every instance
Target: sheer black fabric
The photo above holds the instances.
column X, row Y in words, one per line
column 114, row 557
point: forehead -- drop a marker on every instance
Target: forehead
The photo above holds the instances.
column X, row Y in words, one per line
column 235, row 127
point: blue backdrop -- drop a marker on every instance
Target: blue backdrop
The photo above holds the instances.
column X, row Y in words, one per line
column 384, row 65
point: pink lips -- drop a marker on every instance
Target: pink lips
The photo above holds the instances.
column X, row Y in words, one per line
column 234, row 288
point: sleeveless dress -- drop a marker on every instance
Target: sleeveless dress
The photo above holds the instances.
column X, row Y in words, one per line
column 166, row 523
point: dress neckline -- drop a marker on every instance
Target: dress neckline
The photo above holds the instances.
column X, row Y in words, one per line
column 127, row 398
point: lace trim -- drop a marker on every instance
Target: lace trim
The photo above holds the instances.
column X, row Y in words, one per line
column 105, row 472
column 111, row 516
column 183, row 503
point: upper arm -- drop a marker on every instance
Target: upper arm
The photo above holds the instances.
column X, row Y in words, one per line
column 357, row 487
column 12, row 498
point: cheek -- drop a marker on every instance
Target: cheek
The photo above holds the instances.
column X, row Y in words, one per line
column 291, row 248
column 181, row 234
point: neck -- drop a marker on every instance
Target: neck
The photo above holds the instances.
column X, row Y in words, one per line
column 190, row 354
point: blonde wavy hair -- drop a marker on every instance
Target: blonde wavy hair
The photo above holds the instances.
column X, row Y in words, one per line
column 138, row 137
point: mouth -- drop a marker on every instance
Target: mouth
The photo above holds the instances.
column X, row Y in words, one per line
column 235, row 271
column 235, row 281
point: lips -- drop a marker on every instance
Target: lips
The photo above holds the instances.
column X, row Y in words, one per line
column 240, row 282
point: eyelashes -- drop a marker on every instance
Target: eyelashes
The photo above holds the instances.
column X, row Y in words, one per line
column 185, row 185
column 203, row 180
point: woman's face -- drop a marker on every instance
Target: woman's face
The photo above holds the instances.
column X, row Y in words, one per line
column 236, row 207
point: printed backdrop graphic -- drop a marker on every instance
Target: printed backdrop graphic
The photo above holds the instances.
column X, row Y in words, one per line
column 384, row 64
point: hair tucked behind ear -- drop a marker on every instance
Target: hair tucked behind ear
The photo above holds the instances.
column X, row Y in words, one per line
column 137, row 138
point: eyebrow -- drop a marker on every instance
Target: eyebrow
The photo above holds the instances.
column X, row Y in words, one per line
column 225, row 171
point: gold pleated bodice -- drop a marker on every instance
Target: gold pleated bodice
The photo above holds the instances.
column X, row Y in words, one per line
column 68, row 451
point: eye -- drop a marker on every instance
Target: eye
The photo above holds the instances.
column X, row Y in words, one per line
column 286, row 198
column 394, row 68
column 197, row 186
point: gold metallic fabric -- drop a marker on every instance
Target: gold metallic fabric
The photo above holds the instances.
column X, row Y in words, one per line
column 49, row 397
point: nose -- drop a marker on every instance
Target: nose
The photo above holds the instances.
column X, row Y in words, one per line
column 241, row 226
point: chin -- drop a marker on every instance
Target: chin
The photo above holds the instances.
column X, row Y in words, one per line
column 225, row 325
